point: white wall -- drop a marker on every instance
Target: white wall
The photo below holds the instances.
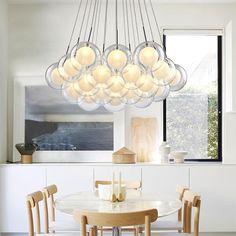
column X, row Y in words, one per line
column 3, row 79
column 38, row 35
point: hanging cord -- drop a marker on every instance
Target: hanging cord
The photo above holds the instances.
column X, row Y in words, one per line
column 98, row 22
column 95, row 22
column 105, row 28
column 126, row 6
column 132, row 23
column 73, row 30
column 141, row 15
column 93, row 17
column 136, row 22
column 82, row 23
column 148, row 18
column 87, row 22
column 124, row 21
column 117, row 40
column 157, row 25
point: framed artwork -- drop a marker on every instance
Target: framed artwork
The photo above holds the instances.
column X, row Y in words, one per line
column 63, row 131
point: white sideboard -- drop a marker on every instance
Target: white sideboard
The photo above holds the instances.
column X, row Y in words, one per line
column 215, row 183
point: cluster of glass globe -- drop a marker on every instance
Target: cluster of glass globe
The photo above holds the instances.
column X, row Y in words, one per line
column 116, row 77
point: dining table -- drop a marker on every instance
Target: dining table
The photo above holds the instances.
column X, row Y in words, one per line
column 135, row 200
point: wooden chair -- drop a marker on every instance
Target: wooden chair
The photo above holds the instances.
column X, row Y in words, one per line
column 191, row 201
column 32, row 202
column 53, row 225
column 95, row 219
column 172, row 225
column 135, row 185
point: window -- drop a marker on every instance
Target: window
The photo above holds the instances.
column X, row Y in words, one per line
column 192, row 116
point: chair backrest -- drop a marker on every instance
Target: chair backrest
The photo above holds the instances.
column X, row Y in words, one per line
column 191, row 200
column 116, row 219
column 129, row 184
column 32, row 202
column 48, row 195
column 180, row 191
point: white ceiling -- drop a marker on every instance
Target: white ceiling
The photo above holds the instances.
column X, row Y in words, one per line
column 158, row 1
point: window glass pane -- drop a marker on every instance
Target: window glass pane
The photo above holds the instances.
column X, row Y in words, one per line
column 192, row 113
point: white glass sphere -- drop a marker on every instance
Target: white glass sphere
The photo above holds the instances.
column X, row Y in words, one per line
column 88, row 104
column 131, row 74
column 117, row 59
column 71, row 67
column 101, row 97
column 146, row 86
column 144, row 102
column 130, row 97
column 116, row 86
column 163, row 72
column 114, row 105
column 70, row 93
column 148, row 56
column 53, row 77
column 179, row 80
column 101, row 74
column 86, row 56
column 85, row 85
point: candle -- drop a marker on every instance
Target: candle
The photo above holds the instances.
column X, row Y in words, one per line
column 119, row 184
column 113, row 183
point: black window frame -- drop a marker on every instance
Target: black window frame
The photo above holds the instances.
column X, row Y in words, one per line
column 219, row 83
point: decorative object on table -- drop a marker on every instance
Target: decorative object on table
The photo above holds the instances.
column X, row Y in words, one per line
column 144, row 138
column 164, row 151
column 128, row 72
column 178, row 156
column 117, row 196
column 26, row 150
column 123, row 156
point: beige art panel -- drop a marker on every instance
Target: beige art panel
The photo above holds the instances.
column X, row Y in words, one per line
column 144, row 138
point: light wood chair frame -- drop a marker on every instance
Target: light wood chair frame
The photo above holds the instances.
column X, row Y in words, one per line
column 32, row 202
column 96, row 219
column 191, row 201
column 48, row 195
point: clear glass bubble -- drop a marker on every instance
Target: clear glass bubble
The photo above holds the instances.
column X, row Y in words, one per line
column 70, row 93
column 147, row 54
column 162, row 93
column 114, row 105
column 163, row 72
column 85, row 85
column 53, row 77
column 146, row 86
column 131, row 73
column 88, row 104
column 101, row 74
column 144, row 102
column 130, row 97
column 116, row 86
column 101, row 97
column 86, row 54
column 179, row 80
column 117, row 57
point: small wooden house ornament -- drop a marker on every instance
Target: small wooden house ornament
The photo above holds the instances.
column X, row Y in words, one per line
column 124, row 156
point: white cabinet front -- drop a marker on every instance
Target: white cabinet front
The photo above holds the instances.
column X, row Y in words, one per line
column 217, row 187
column 15, row 183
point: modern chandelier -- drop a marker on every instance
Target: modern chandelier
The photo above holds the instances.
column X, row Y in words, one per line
column 134, row 70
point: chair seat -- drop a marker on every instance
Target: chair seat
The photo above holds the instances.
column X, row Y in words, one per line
column 167, row 225
column 64, row 226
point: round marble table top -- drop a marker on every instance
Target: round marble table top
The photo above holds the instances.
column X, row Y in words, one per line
column 135, row 201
